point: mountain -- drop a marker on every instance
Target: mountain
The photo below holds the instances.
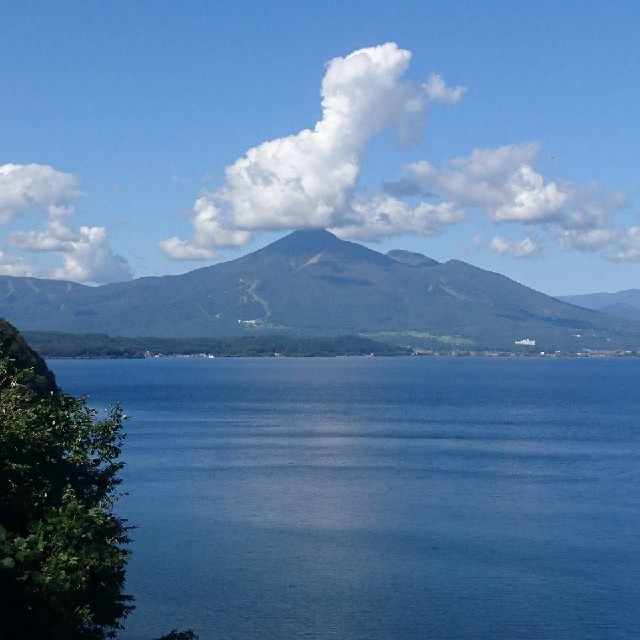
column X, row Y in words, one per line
column 622, row 304
column 414, row 259
column 310, row 283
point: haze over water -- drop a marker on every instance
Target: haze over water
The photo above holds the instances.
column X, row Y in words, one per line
column 370, row 498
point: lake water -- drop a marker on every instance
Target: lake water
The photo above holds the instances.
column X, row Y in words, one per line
column 379, row 499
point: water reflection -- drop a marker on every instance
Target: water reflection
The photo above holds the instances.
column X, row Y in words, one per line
column 388, row 499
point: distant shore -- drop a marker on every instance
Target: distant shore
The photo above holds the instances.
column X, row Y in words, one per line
column 94, row 346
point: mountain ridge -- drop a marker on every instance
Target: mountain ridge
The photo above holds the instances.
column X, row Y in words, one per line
column 598, row 300
column 311, row 283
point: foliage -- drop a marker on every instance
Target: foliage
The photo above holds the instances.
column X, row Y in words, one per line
column 20, row 357
column 62, row 550
column 179, row 635
column 64, row 345
column 53, row 344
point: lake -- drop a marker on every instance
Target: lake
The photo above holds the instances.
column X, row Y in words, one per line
column 378, row 498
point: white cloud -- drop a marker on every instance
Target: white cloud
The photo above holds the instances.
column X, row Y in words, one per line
column 500, row 181
column 31, row 187
column 613, row 242
column 85, row 252
column 503, row 184
column 594, row 240
column 39, row 241
column 527, row 248
column 628, row 249
column 309, row 179
column 438, row 91
column 88, row 258
column 14, row 265
column 211, row 228
column 182, row 250
column 384, row 215
column 592, row 208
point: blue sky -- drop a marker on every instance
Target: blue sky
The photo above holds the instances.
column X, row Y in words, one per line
column 146, row 138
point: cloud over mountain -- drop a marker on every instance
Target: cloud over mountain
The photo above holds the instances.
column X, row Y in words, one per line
column 309, row 179
column 503, row 185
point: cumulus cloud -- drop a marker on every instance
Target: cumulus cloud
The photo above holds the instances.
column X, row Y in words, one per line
column 527, row 248
column 499, row 181
column 309, row 179
column 212, row 227
column 503, row 185
column 182, row 250
column 85, row 252
column 88, row 257
column 384, row 215
column 11, row 265
column 31, row 187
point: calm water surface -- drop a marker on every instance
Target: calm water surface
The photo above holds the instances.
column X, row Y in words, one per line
column 379, row 499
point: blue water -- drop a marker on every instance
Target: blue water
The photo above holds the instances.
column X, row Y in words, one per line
column 379, row 499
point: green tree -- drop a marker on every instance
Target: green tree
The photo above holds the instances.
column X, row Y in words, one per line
column 62, row 549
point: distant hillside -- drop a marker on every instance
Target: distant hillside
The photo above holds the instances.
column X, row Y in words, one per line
column 310, row 284
column 623, row 304
column 65, row 345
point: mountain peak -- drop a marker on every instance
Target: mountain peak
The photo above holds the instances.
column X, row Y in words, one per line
column 308, row 243
column 312, row 283
column 304, row 240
